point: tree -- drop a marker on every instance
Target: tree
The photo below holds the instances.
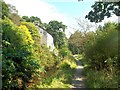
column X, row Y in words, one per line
column 26, row 18
column 84, row 25
column 13, row 15
column 76, row 42
column 45, row 57
column 12, row 9
column 15, row 18
column 103, row 50
column 33, row 19
column 10, row 12
column 79, row 38
column 4, row 11
column 102, row 9
column 57, row 30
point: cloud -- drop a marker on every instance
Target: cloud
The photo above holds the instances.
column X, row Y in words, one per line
column 38, row 8
column 45, row 11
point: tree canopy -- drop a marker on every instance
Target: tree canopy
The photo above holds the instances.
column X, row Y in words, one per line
column 32, row 19
column 4, row 11
column 102, row 9
column 57, row 30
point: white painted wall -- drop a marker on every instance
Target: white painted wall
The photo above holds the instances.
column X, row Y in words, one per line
column 50, row 43
column 47, row 39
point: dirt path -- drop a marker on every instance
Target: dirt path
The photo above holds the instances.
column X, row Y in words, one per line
column 79, row 79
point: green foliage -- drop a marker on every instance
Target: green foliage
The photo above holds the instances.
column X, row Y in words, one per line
column 76, row 42
column 23, row 55
column 34, row 31
column 101, row 79
column 57, row 29
column 19, row 62
column 36, row 37
column 74, row 48
column 32, row 19
column 65, row 52
column 101, row 58
column 4, row 11
column 102, row 9
column 48, row 59
column 119, row 45
column 25, row 61
column 60, row 76
column 104, row 47
column 16, row 19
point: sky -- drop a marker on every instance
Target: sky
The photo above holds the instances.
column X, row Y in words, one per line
column 66, row 11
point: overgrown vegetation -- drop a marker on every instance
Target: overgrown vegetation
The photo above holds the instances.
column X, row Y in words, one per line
column 26, row 63
column 19, row 61
column 57, row 30
column 101, row 58
column 60, row 76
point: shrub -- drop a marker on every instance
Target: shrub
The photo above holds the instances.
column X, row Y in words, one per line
column 19, row 63
column 101, row 58
column 105, row 46
column 65, row 52
column 34, row 31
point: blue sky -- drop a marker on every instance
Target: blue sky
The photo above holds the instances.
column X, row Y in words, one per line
column 53, row 8
column 74, row 9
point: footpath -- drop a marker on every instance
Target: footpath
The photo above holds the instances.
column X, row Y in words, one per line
column 79, row 80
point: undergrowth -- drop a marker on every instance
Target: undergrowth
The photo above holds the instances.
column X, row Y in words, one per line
column 100, row 78
column 61, row 75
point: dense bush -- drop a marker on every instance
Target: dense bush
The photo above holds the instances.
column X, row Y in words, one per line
column 25, row 61
column 19, row 63
column 65, row 52
column 48, row 59
column 33, row 31
column 103, row 52
column 101, row 79
column 101, row 58
column 76, row 42
column 60, row 76
column 74, row 49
